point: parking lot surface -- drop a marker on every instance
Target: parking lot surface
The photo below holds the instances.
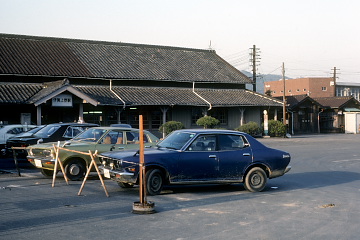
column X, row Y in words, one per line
column 317, row 199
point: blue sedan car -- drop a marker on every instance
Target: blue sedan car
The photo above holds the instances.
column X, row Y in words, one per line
column 196, row 156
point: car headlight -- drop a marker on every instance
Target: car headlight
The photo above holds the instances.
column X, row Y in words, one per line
column 112, row 165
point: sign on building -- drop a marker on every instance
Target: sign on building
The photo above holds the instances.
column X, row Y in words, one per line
column 62, row 100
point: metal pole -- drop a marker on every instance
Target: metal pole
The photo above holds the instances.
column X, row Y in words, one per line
column 16, row 162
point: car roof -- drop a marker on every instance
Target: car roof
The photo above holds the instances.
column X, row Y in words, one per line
column 73, row 124
column 16, row 125
column 208, row 131
column 118, row 128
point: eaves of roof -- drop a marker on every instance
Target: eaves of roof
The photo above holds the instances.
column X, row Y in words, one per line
column 16, row 93
column 135, row 96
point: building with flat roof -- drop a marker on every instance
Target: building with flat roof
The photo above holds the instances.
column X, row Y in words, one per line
column 346, row 89
column 313, row 87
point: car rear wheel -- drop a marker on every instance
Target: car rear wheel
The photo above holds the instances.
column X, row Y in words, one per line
column 47, row 173
column 154, row 181
column 75, row 169
column 255, row 180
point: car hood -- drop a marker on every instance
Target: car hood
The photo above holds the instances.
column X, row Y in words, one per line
column 132, row 153
column 68, row 143
column 24, row 138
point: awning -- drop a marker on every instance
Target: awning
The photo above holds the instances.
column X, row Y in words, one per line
column 351, row 110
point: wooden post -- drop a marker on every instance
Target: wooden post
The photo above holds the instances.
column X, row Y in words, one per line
column 57, row 149
column 93, row 163
column 142, row 162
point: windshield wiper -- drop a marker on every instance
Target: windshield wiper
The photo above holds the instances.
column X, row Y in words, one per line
column 83, row 139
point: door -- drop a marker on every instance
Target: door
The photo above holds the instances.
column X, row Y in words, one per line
column 234, row 156
column 199, row 162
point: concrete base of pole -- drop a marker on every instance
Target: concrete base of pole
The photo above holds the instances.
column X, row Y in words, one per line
column 143, row 208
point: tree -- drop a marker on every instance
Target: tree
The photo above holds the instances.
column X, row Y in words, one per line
column 251, row 128
column 207, row 122
column 268, row 93
column 171, row 126
column 276, row 128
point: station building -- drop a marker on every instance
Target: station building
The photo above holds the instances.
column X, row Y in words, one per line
column 45, row 80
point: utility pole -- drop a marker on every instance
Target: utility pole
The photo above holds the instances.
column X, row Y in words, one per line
column 284, row 99
column 254, row 59
column 334, row 79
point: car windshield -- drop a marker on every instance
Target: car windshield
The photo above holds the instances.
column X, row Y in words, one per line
column 30, row 132
column 47, row 131
column 90, row 135
column 176, row 140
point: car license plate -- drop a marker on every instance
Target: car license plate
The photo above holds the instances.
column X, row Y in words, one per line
column 38, row 163
column 106, row 173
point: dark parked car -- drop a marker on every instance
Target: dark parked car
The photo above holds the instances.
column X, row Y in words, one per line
column 199, row 156
column 100, row 139
column 7, row 148
column 49, row 133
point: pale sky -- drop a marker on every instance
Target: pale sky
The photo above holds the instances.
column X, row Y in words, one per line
column 311, row 37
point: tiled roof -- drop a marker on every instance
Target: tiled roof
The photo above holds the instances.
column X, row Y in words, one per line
column 28, row 55
column 177, row 96
column 18, row 93
column 296, row 100
column 135, row 96
column 336, row 102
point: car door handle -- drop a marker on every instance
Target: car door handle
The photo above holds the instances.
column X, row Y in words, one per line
column 147, row 146
column 246, row 154
column 120, row 147
column 212, row 156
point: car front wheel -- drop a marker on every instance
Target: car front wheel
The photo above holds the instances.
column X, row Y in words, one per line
column 154, row 181
column 125, row 185
column 255, row 180
column 75, row 170
column 47, row 173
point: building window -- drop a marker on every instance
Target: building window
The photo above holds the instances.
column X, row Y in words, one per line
column 196, row 113
column 323, row 88
column 304, row 90
column 220, row 114
column 289, row 91
column 298, row 90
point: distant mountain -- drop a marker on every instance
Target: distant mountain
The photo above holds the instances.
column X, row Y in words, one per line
column 261, row 79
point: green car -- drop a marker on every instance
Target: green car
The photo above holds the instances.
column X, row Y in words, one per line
column 102, row 139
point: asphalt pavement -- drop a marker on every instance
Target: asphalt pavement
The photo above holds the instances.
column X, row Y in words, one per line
column 317, row 199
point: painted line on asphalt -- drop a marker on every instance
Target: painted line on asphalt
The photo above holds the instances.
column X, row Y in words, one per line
column 347, row 160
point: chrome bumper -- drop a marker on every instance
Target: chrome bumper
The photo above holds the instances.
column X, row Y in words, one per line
column 109, row 172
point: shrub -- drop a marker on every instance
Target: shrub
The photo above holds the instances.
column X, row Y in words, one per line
column 276, row 128
column 171, row 126
column 251, row 128
column 207, row 122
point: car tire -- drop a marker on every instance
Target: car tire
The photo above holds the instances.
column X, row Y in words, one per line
column 47, row 173
column 255, row 180
column 125, row 185
column 75, row 169
column 154, row 182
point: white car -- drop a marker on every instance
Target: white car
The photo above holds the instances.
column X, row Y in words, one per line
column 8, row 131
